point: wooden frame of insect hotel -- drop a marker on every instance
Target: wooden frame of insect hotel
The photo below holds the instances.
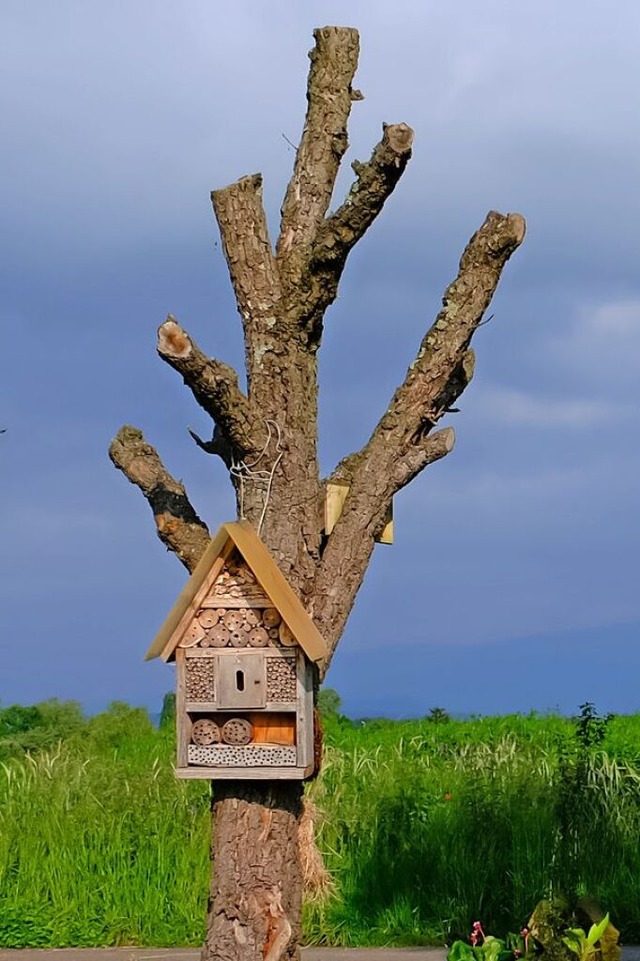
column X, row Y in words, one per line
column 244, row 648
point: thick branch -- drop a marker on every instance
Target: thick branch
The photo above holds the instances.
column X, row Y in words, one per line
column 375, row 182
column 324, row 139
column 213, row 384
column 177, row 523
column 247, row 248
column 443, row 366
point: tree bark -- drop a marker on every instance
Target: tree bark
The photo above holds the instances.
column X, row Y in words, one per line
column 267, row 438
column 255, row 901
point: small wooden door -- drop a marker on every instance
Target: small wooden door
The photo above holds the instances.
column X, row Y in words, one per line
column 242, row 681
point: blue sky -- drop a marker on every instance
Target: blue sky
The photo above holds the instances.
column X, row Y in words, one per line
column 515, row 557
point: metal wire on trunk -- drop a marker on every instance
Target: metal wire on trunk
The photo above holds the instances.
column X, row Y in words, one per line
column 247, row 473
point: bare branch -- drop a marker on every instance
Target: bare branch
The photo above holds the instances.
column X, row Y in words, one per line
column 399, row 447
column 213, row 384
column 324, row 139
column 443, row 366
column 247, row 248
column 177, row 523
column 375, row 182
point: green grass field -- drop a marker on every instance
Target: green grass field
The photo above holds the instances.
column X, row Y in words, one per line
column 427, row 826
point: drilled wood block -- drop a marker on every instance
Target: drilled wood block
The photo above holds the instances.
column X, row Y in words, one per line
column 250, row 755
column 205, row 731
column 271, row 617
column 237, row 730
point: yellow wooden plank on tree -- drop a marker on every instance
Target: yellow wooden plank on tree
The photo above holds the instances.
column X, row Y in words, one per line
column 335, row 496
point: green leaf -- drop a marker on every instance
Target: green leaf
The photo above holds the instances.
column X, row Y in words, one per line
column 460, row 951
column 574, row 938
column 493, row 949
column 597, row 930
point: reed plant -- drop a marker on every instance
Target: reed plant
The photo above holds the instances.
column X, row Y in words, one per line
column 424, row 827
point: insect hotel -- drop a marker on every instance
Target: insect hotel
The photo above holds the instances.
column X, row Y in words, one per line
column 244, row 648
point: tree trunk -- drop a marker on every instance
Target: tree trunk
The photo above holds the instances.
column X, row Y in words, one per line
column 255, row 901
column 267, row 439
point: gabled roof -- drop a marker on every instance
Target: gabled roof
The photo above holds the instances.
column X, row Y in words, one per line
column 241, row 535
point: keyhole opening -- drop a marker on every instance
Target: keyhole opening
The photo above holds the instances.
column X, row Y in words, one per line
column 240, row 680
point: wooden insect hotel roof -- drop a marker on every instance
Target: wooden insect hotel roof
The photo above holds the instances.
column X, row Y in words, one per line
column 238, row 535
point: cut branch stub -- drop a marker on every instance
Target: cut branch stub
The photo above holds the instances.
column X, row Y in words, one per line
column 247, row 248
column 338, row 234
column 213, row 384
column 324, row 139
column 177, row 523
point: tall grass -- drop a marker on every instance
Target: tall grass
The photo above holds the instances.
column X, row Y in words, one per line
column 99, row 844
column 426, row 827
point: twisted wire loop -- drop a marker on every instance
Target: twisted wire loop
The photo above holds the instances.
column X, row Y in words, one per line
column 252, row 474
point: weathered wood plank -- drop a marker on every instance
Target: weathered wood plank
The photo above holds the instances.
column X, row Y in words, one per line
column 183, row 722
column 211, row 707
column 190, row 598
column 241, row 773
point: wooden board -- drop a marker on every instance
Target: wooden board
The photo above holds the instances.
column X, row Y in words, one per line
column 275, row 585
column 242, row 773
column 183, row 722
column 188, row 603
column 241, row 682
column 210, row 707
column 235, row 602
column 273, row 728
column 304, row 718
column 277, row 652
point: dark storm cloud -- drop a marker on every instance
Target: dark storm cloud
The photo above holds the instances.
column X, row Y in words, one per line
column 121, row 118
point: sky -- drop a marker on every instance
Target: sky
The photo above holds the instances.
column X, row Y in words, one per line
column 513, row 581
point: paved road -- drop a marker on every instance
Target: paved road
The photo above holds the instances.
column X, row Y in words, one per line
column 183, row 954
column 178, row 954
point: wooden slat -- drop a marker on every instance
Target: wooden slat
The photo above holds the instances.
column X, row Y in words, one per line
column 183, row 722
column 275, row 585
column 202, row 707
column 235, row 602
column 169, row 636
column 234, row 651
column 304, row 684
column 243, row 773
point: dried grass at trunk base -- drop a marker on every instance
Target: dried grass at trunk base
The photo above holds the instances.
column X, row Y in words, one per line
column 317, row 881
